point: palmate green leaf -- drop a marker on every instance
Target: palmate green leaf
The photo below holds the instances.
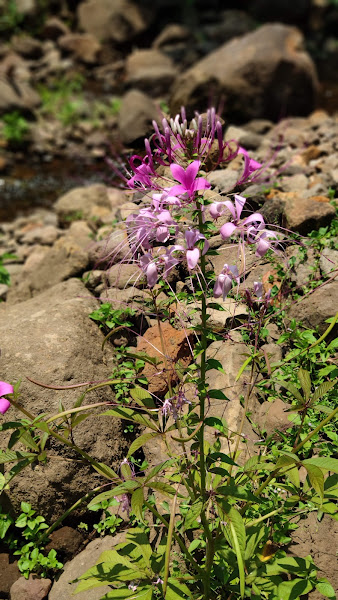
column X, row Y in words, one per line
column 323, row 462
column 305, row 381
column 130, row 414
column 12, row 455
column 323, row 389
column 140, row 441
column 123, row 488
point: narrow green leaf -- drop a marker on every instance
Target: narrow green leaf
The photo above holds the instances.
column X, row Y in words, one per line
column 323, row 462
column 194, row 511
column 123, row 488
column 217, row 394
column 137, row 501
column 316, row 478
column 243, row 367
column 237, row 492
column 140, row 441
column 132, row 415
column 323, row 389
column 11, row 455
column 305, row 381
column 292, row 389
column 142, row 397
column 212, row 363
column 164, row 488
column 106, row 471
column 158, row 468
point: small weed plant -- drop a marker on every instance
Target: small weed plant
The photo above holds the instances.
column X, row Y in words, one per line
column 15, row 127
column 207, row 521
column 21, row 537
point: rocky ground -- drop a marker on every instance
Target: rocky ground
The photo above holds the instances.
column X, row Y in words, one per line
column 133, row 64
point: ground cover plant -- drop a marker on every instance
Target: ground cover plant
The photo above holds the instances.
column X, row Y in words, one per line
column 204, row 523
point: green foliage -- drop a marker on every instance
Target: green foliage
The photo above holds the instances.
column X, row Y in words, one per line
column 63, row 99
column 10, row 17
column 21, row 535
column 15, row 127
column 4, row 275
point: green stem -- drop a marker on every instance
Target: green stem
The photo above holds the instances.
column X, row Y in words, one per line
column 177, row 539
column 168, row 546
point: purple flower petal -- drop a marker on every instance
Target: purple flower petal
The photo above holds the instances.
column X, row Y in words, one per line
column 193, row 258
column 178, row 173
column 227, row 230
column 4, row 405
column 5, row 388
column 191, row 173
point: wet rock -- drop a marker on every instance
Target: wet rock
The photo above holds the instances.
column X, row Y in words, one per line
column 63, row 589
column 9, row 573
column 83, row 46
column 118, row 21
column 176, row 349
column 61, row 346
column 150, row 70
column 30, row 589
column 136, row 115
column 258, row 75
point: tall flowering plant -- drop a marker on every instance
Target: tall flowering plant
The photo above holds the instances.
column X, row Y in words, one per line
column 200, row 521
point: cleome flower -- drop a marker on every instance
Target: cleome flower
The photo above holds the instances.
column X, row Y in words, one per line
column 5, row 388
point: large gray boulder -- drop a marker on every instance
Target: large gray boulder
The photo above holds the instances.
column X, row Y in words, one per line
column 52, row 340
column 266, row 73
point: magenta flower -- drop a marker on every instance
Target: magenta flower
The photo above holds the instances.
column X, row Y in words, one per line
column 224, row 281
column 5, row 388
column 250, row 165
column 249, row 227
column 189, row 183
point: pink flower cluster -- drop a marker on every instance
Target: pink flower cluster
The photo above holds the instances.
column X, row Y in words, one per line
column 157, row 238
